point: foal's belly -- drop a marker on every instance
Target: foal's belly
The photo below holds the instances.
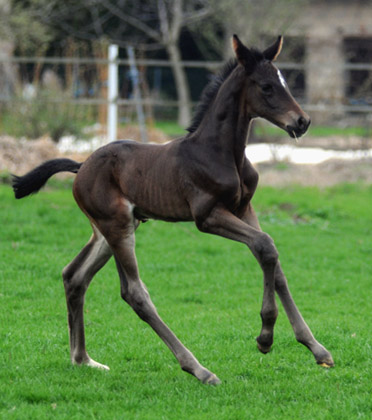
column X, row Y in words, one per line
column 149, row 178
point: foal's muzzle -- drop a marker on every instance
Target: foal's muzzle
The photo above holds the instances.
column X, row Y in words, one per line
column 299, row 127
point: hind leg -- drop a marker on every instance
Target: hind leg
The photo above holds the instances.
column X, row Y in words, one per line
column 134, row 292
column 76, row 279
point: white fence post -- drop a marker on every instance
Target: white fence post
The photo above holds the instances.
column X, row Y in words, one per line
column 112, row 93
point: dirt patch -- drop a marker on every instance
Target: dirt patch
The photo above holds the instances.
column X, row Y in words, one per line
column 19, row 156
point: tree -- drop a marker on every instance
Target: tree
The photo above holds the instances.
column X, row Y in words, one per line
column 157, row 24
column 252, row 20
column 148, row 24
column 18, row 30
column 6, row 49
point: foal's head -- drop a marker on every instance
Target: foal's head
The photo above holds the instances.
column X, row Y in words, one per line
column 267, row 93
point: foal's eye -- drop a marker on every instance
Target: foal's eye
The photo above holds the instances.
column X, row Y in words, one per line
column 267, row 89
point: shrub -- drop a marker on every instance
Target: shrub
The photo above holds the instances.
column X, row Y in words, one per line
column 47, row 113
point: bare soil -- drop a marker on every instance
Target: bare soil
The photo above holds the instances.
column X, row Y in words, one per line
column 18, row 156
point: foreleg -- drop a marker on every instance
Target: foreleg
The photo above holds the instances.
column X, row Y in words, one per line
column 223, row 223
column 302, row 332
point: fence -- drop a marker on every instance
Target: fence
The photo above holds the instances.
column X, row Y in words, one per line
column 84, row 82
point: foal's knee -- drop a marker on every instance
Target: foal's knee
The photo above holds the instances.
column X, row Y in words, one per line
column 265, row 251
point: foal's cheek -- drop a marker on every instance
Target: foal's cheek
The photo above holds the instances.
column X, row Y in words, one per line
column 252, row 107
column 262, row 104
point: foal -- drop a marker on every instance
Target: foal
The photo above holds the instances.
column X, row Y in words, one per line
column 203, row 177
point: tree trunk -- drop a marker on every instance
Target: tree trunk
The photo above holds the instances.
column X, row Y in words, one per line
column 7, row 71
column 183, row 92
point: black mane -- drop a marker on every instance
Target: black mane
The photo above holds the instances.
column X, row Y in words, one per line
column 210, row 92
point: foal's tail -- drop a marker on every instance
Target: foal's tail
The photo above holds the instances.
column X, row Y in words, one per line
column 34, row 180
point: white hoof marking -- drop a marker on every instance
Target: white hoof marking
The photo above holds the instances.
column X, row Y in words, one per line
column 94, row 364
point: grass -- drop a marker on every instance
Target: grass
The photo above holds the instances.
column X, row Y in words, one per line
column 209, row 291
column 170, row 128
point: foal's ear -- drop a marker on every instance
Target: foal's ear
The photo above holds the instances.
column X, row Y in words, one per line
column 243, row 54
column 273, row 51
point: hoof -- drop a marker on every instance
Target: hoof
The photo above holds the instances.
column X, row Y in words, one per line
column 324, row 359
column 263, row 348
column 212, row 380
column 325, row 365
column 326, row 362
column 204, row 375
column 91, row 363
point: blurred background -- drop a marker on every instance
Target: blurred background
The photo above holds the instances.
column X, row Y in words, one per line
column 54, row 68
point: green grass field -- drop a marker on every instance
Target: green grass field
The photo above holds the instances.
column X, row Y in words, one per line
column 209, row 291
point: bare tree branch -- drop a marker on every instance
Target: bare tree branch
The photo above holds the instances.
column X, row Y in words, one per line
column 97, row 21
column 177, row 20
column 193, row 17
column 163, row 20
column 130, row 20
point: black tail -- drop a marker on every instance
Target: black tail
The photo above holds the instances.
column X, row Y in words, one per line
column 37, row 178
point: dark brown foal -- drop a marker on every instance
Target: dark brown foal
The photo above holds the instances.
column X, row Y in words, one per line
column 203, row 177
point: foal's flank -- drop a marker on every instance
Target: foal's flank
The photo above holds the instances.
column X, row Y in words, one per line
column 202, row 177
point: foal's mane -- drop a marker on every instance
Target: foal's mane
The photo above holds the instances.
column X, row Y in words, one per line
column 210, row 92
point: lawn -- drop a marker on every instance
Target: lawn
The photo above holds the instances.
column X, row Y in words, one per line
column 209, row 291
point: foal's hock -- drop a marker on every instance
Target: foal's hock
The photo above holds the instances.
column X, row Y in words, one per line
column 202, row 177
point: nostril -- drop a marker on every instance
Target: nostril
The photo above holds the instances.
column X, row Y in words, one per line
column 302, row 123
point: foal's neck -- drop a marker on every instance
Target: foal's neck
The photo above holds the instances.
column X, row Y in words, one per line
column 226, row 124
